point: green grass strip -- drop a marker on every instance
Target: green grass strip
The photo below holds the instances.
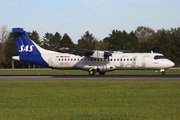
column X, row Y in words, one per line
column 89, row 100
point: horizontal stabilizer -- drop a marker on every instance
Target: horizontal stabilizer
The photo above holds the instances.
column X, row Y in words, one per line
column 18, row 30
column 15, row 57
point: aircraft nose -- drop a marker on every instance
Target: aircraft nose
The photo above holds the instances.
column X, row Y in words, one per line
column 171, row 64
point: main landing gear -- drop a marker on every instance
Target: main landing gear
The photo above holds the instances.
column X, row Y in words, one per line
column 93, row 72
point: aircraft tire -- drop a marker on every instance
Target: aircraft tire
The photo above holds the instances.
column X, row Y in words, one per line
column 163, row 73
column 92, row 72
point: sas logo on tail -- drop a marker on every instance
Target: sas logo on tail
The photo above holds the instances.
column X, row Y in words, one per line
column 27, row 48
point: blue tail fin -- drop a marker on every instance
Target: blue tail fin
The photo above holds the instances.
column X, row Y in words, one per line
column 28, row 50
column 24, row 44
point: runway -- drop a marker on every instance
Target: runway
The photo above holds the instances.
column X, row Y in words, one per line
column 88, row 77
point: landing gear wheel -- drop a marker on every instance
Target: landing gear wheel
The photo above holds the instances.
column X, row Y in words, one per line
column 92, row 72
column 163, row 73
column 101, row 73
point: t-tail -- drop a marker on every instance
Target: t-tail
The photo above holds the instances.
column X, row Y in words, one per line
column 28, row 50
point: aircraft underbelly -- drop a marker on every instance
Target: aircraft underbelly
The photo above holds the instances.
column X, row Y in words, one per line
column 101, row 66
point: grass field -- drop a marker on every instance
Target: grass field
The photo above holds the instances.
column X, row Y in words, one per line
column 89, row 100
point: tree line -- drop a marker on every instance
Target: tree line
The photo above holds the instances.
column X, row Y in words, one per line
column 143, row 39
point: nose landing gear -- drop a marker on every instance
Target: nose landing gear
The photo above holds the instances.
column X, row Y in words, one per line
column 162, row 71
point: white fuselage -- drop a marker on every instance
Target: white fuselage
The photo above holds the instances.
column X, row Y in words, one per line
column 115, row 62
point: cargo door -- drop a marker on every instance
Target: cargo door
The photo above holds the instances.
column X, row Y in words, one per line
column 50, row 62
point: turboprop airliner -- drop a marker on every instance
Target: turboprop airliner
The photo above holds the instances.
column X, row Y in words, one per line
column 93, row 61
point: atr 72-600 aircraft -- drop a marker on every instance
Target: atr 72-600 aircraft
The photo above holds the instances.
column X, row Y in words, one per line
column 89, row 60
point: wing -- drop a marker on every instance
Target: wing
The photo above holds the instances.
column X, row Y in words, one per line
column 76, row 51
column 87, row 53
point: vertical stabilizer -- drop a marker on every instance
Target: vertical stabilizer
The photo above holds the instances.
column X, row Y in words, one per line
column 24, row 44
column 28, row 50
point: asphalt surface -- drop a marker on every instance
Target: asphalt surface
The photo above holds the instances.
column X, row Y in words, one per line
column 96, row 77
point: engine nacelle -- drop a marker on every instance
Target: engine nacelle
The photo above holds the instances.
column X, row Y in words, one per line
column 101, row 54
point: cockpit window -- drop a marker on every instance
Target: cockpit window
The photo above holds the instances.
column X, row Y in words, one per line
column 159, row 57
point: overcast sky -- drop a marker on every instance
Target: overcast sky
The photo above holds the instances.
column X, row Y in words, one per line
column 99, row 17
